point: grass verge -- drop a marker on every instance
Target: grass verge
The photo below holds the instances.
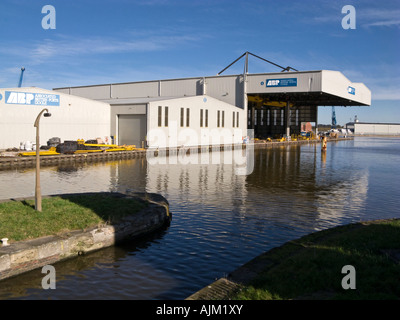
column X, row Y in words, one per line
column 20, row 221
column 311, row 267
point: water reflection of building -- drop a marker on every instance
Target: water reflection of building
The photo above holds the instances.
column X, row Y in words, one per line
column 347, row 198
column 199, row 176
column 295, row 182
column 291, row 183
column 56, row 180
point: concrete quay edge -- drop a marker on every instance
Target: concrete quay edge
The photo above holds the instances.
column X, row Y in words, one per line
column 23, row 256
column 10, row 161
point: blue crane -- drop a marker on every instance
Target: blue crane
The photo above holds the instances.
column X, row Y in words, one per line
column 20, row 77
column 333, row 118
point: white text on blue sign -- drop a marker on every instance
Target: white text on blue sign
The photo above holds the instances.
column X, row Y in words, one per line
column 285, row 82
column 31, row 98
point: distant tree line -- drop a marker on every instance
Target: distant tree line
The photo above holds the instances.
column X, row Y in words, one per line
column 326, row 127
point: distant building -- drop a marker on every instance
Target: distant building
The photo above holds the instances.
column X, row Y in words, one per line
column 370, row 128
column 307, row 127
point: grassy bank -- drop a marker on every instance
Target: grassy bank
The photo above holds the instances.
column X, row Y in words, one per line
column 311, row 267
column 20, row 221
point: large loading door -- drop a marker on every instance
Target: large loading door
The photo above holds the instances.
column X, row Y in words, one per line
column 274, row 119
column 131, row 129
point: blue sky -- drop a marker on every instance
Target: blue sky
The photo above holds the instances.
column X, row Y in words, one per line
column 98, row 41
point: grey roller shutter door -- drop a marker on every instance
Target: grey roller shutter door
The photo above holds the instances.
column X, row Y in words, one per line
column 132, row 129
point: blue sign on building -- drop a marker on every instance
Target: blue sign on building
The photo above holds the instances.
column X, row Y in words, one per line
column 285, row 82
column 351, row 90
column 32, row 99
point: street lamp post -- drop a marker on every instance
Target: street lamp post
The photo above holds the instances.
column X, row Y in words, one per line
column 38, row 195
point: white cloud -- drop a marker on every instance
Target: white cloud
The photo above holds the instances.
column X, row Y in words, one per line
column 365, row 17
column 379, row 17
column 383, row 87
column 50, row 62
column 40, row 52
column 385, row 23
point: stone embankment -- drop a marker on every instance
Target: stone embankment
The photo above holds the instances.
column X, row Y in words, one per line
column 23, row 256
column 11, row 160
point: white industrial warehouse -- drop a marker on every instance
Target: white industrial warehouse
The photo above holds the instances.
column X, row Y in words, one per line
column 71, row 118
column 374, row 128
column 178, row 112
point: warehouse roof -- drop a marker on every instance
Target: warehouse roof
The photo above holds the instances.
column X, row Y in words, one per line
column 141, row 100
column 322, row 88
column 302, row 88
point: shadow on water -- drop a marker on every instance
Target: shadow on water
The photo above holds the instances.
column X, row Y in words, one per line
column 76, row 271
column 112, row 206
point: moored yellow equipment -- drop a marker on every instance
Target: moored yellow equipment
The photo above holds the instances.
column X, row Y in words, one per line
column 107, row 147
column 50, row 152
column 84, row 148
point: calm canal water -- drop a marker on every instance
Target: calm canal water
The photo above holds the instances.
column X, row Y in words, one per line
column 220, row 219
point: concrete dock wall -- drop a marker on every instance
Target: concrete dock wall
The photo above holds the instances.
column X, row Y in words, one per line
column 23, row 256
column 15, row 162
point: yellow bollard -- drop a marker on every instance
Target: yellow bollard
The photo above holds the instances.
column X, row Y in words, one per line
column 323, row 148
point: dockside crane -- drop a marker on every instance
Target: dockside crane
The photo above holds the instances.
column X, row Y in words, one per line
column 333, row 125
column 20, row 77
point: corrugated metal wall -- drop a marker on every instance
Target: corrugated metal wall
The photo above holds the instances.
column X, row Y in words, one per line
column 179, row 88
column 226, row 88
column 134, row 90
column 93, row 92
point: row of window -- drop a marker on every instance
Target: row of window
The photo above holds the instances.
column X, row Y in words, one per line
column 267, row 118
column 160, row 116
column 185, row 118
